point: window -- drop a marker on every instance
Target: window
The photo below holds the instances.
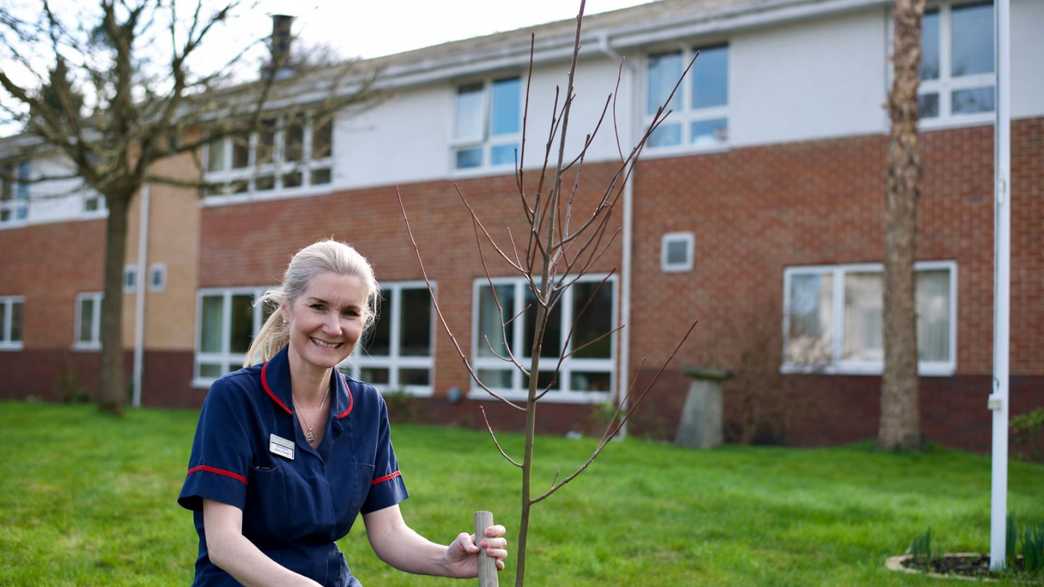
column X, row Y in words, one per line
column 833, row 318
column 587, row 306
column 11, row 322
column 130, row 279
column 396, row 353
column 488, row 124
column 88, row 321
column 700, row 107
column 676, row 251
column 227, row 320
column 286, row 153
column 957, row 69
column 158, row 277
column 93, row 202
column 14, row 193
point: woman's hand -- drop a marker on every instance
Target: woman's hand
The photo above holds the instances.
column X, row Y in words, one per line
column 462, row 554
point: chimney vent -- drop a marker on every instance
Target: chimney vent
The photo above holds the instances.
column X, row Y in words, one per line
column 280, row 45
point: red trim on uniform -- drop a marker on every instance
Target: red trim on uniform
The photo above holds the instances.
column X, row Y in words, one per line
column 351, row 400
column 387, row 477
column 217, row 471
column 268, row 390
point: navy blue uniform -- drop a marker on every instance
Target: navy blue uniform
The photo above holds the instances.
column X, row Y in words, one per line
column 293, row 508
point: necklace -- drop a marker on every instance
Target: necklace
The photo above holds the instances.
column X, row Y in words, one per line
column 309, row 433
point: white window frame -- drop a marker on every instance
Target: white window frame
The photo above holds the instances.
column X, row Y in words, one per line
column 485, row 141
column 20, row 173
column 7, row 310
column 94, row 344
column 689, row 240
column 159, row 269
column 838, row 366
column 229, row 360
column 357, row 361
column 685, row 114
column 944, row 85
column 563, row 394
column 276, row 169
column 100, row 210
column 130, row 271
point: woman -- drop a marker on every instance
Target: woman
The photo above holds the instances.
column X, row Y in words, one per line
column 288, row 451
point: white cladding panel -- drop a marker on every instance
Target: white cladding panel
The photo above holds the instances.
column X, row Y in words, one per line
column 1027, row 58
column 813, row 79
column 408, row 137
column 60, row 199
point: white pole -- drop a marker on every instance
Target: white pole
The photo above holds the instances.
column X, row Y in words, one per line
column 998, row 401
column 139, row 305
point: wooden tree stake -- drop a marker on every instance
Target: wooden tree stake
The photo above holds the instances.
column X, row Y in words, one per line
column 487, row 567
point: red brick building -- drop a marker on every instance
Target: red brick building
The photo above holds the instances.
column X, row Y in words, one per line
column 757, row 210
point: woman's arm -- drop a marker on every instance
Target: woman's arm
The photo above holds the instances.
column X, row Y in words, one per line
column 237, row 556
column 399, row 546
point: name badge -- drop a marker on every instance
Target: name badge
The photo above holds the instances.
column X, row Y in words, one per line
column 281, row 446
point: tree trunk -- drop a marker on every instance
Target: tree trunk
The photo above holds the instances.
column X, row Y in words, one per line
column 113, row 391
column 900, row 415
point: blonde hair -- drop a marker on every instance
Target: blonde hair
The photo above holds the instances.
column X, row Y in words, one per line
column 326, row 256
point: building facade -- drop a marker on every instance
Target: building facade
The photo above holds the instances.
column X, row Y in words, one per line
column 757, row 210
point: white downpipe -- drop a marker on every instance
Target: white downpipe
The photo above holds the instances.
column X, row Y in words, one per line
column 998, row 401
column 626, row 244
column 139, row 299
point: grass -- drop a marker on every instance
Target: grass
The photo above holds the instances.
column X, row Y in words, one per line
column 86, row 499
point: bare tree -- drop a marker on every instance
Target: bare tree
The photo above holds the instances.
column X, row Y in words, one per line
column 122, row 93
column 563, row 241
column 900, row 415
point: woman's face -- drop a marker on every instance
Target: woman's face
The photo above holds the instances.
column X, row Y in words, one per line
column 327, row 319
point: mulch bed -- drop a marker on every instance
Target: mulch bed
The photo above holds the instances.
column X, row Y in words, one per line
column 972, row 566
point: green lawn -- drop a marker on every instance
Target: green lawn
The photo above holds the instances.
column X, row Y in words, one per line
column 87, row 499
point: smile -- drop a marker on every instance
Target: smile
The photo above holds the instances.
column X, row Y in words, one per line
column 324, row 344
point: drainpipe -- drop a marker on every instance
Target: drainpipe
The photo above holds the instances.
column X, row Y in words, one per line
column 139, row 301
column 627, row 136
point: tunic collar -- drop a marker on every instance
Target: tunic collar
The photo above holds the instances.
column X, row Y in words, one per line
column 275, row 381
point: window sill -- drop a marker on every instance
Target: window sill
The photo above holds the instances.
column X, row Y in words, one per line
column 410, row 390
column 198, row 383
column 482, row 171
column 958, row 121
column 552, row 397
column 87, row 346
column 212, row 201
column 924, row 370
column 10, row 346
column 679, row 150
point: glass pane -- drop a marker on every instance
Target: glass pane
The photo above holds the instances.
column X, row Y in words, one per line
column 292, row 180
column 506, row 114
column 130, row 278
column 503, row 154
column 216, row 155
column 677, row 252
column 930, row 45
column 90, row 204
column 972, row 40
column 596, row 321
column 5, row 215
column 469, row 113
column 709, row 132
column 710, row 77
column 971, row 101
column 87, row 308
column 495, row 378
column 864, row 329
column 266, row 142
column 414, row 377
column 933, row 315
column 810, row 320
column 211, row 370
column 589, row 381
column 3, row 324
column 666, row 135
column 469, row 158
column 264, row 183
column 377, row 342
column 242, row 329
column 664, row 71
column 238, row 187
column 16, row 322
column 240, row 152
column 294, row 141
column 320, row 176
column 545, row 379
column 552, row 343
column 928, row 105
column 491, row 322
column 375, row 375
column 415, row 323
column 210, row 335
column 322, row 140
